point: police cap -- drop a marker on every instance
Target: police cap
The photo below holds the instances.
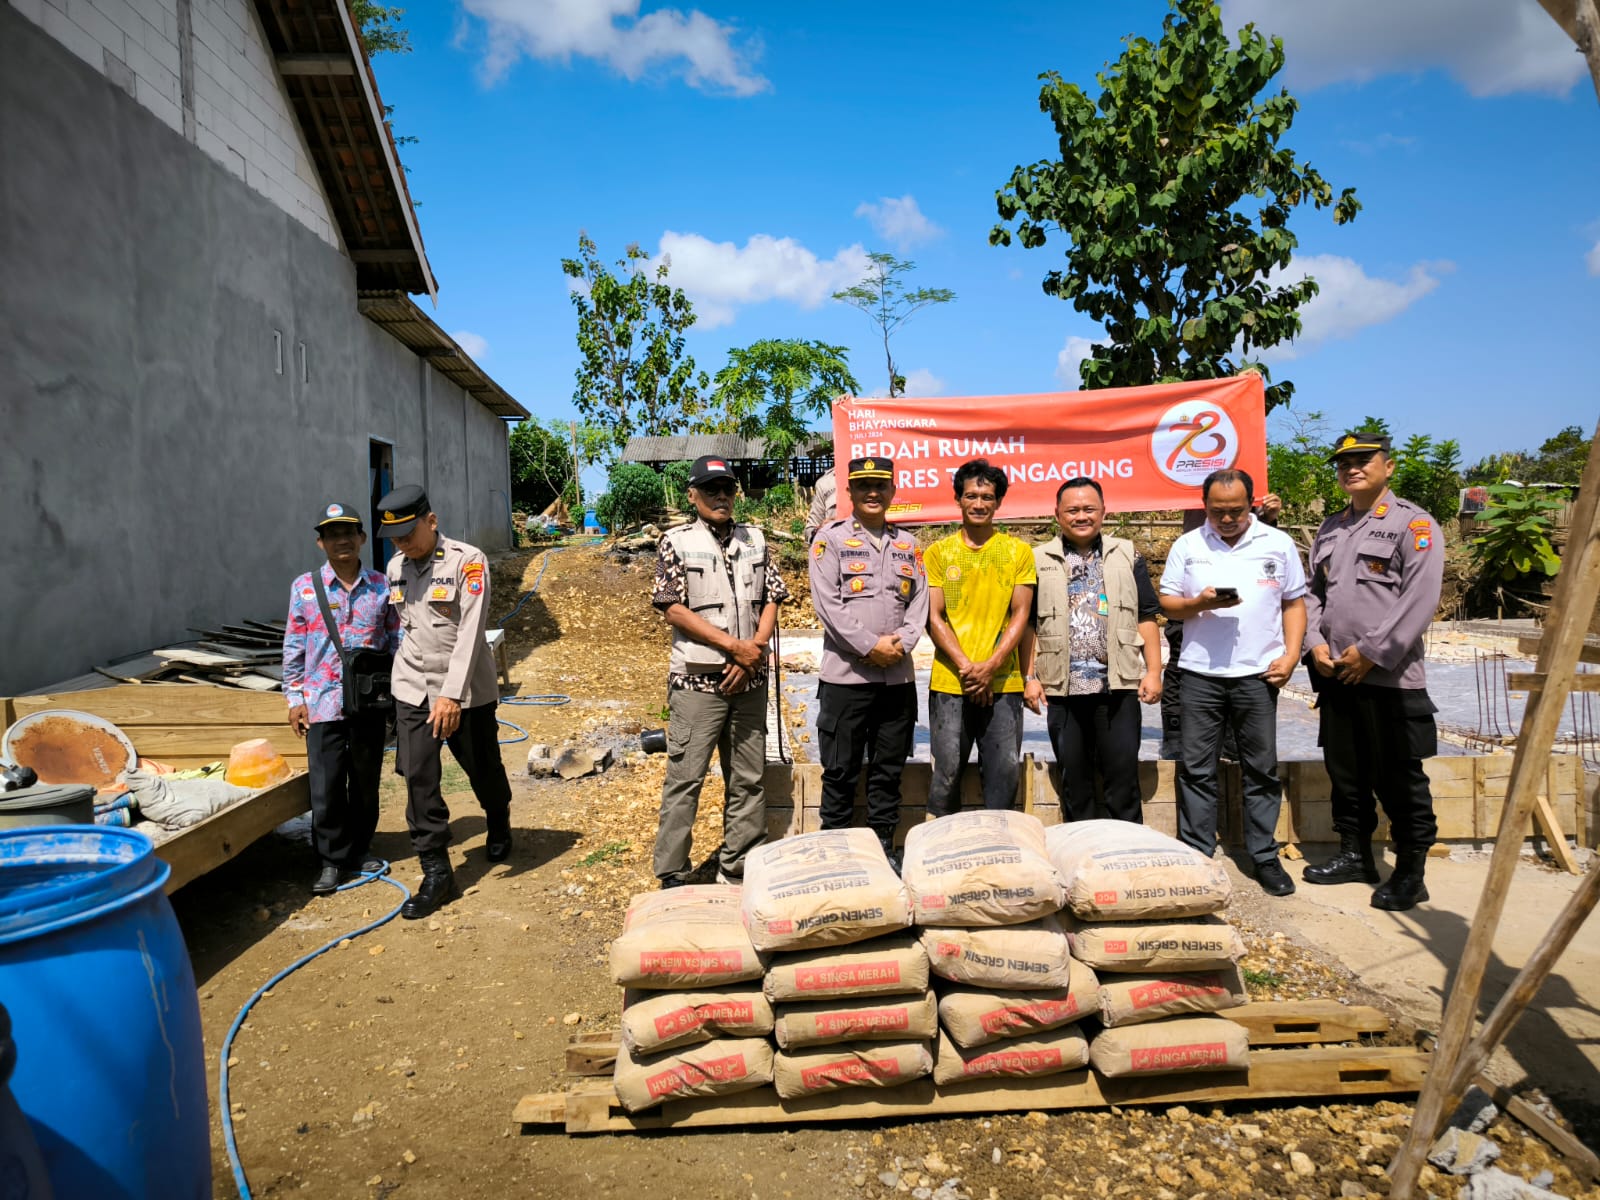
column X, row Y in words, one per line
column 399, row 511
column 1359, row 441
column 338, row 515
column 871, row 468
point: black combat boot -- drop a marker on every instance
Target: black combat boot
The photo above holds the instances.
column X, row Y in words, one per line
column 497, row 845
column 438, row 886
column 1353, row 863
column 1404, row 888
column 886, row 840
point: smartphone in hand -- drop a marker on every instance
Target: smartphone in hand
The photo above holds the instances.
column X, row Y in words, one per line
column 1227, row 593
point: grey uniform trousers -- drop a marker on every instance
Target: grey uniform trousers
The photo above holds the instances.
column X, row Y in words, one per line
column 735, row 727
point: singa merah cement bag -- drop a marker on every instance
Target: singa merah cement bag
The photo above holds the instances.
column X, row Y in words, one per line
column 977, row 1016
column 656, row 1021
column 687, row 937
column 867, row 1019
column 814, row 1069
column 1173, row 1046
column 1133, row 999
column 821, row 889
column 1119, row 871
column 719, row 1067
column 885, row 966
column 1048, row 1052
column 982, row 867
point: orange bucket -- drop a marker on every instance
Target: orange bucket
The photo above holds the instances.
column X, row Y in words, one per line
column 256, row 764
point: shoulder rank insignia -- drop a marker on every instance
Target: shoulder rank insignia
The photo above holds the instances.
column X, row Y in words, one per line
column 439, row 552
column 1381, row 511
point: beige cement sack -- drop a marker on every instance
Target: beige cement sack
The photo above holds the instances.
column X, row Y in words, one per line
column 978, row 1016
column 821, row 889
column 985, row 867
column 1196, row 944
column 1031, row 957
column 656, row 1021
column 885, row 1019
column 715, row 1068
column 1176, row 1045
column 1132, row 999
column 882, row 967
column 852, row 1064
column 1047, row 1053
column 1119, row 871
column 687, row 937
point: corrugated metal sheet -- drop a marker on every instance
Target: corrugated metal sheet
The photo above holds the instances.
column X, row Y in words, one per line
column 687, row 447
column 397, row 315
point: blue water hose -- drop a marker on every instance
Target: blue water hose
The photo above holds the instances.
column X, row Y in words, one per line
column 239, row 1179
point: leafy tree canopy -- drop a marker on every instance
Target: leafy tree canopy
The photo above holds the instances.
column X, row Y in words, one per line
column 889, row 304
column 379, row 27
column 775, row 389
column 1560, row 459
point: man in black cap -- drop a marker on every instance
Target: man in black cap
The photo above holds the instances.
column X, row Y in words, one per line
column 1377, row 566
column 720, row 593
column 871, row 597
column 444, row 687
column 344, row 752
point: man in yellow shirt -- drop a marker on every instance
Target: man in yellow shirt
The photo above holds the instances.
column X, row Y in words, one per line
column 980, row 591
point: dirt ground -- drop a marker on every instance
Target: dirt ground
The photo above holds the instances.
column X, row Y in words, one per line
column 390, row 1065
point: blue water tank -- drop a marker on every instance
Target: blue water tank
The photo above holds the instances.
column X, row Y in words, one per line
column 110, row 1068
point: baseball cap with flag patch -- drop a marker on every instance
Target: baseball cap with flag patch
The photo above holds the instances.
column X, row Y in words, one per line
column 708, row 467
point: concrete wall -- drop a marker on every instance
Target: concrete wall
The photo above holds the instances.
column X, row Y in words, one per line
column 157, row 471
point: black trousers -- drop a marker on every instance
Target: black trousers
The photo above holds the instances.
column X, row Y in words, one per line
column 1373, row 742
column 475, row 745
column 1171, row 694
column 1090, row 732
column 344, row 760
column 877, row 720
column 1247, row 704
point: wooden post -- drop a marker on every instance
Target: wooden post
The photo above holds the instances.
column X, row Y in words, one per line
column 1577, row 589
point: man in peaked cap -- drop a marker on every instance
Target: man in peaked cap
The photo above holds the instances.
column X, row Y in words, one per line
column 871, row 597
column 344, row 751
column 1376, row 570
column 444, row 687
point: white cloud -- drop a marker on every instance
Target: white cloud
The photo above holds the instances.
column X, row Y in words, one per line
column 703, row 51
column 721, row 276
column 475, row 344
column 1592, row 259
column 1071, row 354
column 1492, row 46
column 1349, row 299
column 899, row 221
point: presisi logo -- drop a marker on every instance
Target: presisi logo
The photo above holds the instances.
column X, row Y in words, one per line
column 1192, row 440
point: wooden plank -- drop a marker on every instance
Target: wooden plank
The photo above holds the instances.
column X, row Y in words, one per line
column 1532, row 681
column 1588, row 653
column 158, row 741
column 166, row 704
column 1273, row 1074
column 212, row 842
column 592, row 1058
column 1585, row 1164
column 1544, row 818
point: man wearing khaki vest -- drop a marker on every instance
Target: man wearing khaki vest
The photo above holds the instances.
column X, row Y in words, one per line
column 720, row 593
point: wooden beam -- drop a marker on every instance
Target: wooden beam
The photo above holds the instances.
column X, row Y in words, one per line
column 1532, row 681
column 170, row 704
column 316, row 64
column 1549, row 825
column 1584, row 1163
column 1532, row 646
column 383, row 257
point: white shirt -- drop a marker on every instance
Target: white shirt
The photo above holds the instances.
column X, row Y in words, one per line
column 1264, row 565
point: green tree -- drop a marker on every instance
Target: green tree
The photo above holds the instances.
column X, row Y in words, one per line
column 633, row 491
column 1428, row 474
column 379, row 28
column 1153, row 193
column 1298, row 471
column 883, row 296
column 773, row 389
column 544, row 463
column 1560, row 459
column 636, row 378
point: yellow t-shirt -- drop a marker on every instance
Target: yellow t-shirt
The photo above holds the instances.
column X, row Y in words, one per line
column 977, row 601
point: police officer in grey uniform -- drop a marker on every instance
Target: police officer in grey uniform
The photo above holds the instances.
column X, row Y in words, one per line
column 1376, row 570
column 444, row 687
column 872, row 598
column 720, row 593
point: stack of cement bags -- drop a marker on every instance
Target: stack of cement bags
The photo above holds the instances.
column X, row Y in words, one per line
column 985, row 898
column 1142, row 913
column 848, row 981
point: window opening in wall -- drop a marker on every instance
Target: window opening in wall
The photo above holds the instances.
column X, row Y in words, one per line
column 380, row 475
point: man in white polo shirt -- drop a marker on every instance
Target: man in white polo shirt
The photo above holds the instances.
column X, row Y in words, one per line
column 1237, row 584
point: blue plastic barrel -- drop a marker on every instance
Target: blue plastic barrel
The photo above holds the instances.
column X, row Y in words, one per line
column 110, row 1065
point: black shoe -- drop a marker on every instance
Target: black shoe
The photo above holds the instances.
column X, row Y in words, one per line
column 1353, row 863
column 437, row 889
column 1405, row 888
column 497, row 845
column 367, row 865
column 1274, row 880
column 327, row 882
column 673, row 881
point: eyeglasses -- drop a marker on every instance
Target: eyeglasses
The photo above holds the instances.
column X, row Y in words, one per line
column 721, row 487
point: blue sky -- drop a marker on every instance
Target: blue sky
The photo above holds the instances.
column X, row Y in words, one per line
column 767, row 148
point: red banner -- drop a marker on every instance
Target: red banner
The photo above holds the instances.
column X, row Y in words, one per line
column 1148, row 447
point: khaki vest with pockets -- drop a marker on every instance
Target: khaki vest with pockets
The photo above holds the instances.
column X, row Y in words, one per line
column 735, row 609
column 1124, row 647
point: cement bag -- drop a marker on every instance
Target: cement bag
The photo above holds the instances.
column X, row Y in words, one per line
column 1174, row 1046
column 687, row 937
column 715, row 1068
column 986, row 867
column 1031, row 957
column 656, row 1021
column 1131, row 999
column 889, row 1018
column 814, row 1069
column 821, row 889
column 1116, row 870
column 882, row 967
column 1195, row 944
column 977, row 1016
column 1046, row 1053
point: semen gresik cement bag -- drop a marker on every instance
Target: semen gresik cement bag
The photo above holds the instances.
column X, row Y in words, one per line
column 984, row 867
column 656, row 1021
column 885, row 966
column 1133, row 999
column 687, row 937
column 814, row 1069
column 1195, row 944
column 1120, row 871
column 977, row 1016
column 716, row 1068
column 1048, row 1052
column 877, row 1019
column 821, row 889
column 1030, row 957
column 1172, row 1046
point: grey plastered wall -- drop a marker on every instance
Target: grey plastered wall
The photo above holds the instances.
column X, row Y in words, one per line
column 156, row 471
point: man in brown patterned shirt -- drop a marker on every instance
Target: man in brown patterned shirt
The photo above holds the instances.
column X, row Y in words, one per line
column 719, row 590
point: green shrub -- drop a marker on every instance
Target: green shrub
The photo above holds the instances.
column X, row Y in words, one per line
column 779, row 498
column 1515, row 540
column 634, row 491
column 675, row 476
